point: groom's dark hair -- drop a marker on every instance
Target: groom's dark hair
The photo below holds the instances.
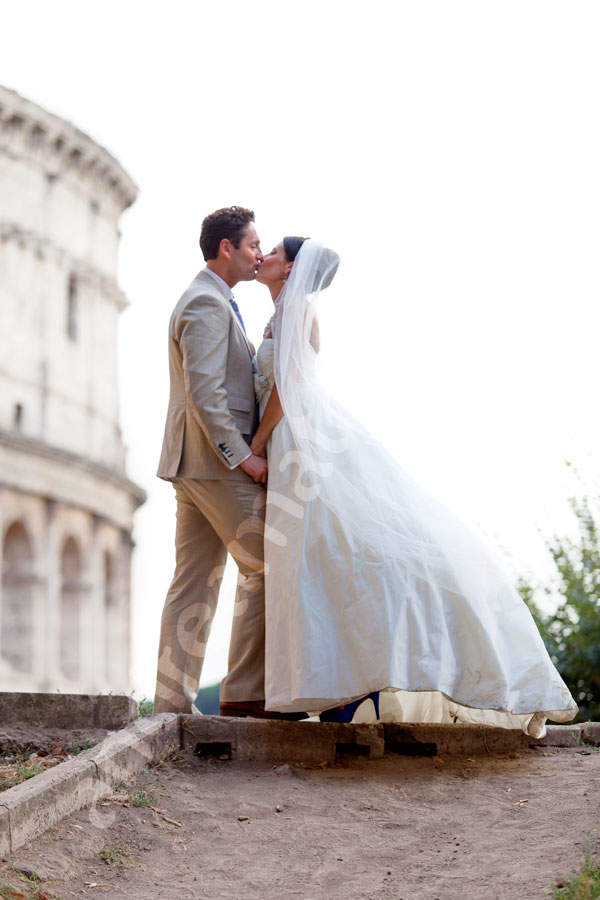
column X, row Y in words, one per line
column 230, row 222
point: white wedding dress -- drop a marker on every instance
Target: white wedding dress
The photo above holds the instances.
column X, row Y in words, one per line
column 370, row 584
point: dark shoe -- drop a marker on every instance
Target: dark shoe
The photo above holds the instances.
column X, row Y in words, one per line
column 346, row 713
column 255, row 709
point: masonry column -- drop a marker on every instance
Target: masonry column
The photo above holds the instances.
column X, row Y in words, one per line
column 52, row 673
column 39, row 624
column 124, row 610
column 94, row 632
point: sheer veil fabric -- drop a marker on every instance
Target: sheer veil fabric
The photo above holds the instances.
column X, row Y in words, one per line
column 371, row 584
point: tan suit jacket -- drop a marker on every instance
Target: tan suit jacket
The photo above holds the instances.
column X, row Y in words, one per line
column 212, row 412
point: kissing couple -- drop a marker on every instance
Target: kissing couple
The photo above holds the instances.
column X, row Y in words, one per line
column 358, row 593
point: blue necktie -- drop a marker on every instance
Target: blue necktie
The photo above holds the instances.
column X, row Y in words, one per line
column 236, row 310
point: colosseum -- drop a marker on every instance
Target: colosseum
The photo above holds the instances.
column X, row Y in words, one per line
column 66, row 504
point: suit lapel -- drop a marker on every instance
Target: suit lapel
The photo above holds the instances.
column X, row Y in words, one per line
column 209, row 281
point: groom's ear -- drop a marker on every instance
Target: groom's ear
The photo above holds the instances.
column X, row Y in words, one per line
column 225, row 247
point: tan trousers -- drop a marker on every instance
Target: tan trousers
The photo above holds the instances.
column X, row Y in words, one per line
column 213, row 518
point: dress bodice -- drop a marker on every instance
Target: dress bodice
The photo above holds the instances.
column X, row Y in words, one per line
column 264, row 378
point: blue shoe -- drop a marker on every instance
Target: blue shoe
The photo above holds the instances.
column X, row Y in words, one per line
column 346, row 713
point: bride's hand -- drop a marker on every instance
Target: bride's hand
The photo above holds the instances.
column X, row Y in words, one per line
column 258, row 449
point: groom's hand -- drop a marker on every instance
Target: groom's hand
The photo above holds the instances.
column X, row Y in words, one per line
column 256, row 468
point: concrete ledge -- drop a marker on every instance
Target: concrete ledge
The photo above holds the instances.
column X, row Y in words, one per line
column 474, row 740
column 28, row 809
column 590, row 733
column 572, row 735
column 561, row 736
column 452, row 740
column 43, row 801
column 128, row 751
column 67, row 710
column 4, row 831
column 269, row 740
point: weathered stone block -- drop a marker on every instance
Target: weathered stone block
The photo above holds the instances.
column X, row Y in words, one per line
column 590, row 732
column 269, row 740
column 72, row 711
column 452, row 740
column 5, row 847
column 43, row 801
column 561, row 736
column 130, row 750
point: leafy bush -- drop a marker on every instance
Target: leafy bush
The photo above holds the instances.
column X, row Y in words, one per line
column 586, row 885
column 145, row 707
column 572, row 632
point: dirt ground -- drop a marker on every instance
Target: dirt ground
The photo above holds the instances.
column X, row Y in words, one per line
column 27, row 751
column 396, row 829
column 17, row 739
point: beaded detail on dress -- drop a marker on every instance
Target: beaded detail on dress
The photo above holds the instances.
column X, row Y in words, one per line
column 264, row 379
column 269, row 326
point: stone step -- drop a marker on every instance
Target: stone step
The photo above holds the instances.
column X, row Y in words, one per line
column 73, row 711
column 311, row 742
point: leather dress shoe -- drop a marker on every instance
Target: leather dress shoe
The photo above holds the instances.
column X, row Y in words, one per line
column 255, row 709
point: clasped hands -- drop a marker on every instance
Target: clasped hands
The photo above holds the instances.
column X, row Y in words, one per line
column 256, row 465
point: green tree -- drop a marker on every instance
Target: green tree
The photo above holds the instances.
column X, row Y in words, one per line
column 572, row 632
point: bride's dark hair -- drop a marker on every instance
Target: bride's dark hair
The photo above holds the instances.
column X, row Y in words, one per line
column 291, row 246
column 327, row 264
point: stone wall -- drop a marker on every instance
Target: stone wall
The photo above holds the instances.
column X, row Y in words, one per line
column 66, row 504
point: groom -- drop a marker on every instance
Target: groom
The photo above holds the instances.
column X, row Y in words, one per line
column 218, row 481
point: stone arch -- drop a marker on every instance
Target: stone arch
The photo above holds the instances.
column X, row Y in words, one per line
column 17, row 598
column 71, row 603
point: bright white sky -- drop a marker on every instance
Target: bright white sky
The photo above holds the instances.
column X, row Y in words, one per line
column 450, row 152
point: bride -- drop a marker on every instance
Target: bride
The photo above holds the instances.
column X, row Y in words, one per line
column 374, row 591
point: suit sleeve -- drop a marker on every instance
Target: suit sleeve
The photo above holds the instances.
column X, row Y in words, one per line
column 203, row 335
